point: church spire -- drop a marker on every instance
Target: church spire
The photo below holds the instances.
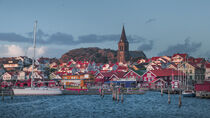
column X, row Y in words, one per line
column 123, row 48
column 123, row 36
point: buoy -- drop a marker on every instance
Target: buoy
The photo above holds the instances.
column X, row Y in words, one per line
column 169, row 99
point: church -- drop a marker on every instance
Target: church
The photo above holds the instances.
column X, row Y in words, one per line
column 123, row 48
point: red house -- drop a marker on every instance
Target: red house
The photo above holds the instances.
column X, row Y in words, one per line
column 102, row 77
column 163, row 77
column 132, row 74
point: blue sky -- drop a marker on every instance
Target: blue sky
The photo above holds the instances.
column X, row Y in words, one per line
column 158, row 27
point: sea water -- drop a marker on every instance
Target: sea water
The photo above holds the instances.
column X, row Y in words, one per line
column 148, row 105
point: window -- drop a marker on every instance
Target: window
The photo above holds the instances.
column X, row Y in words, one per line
column 148, row 74
column 131, row 73
column 190, row 71
column 190, row 77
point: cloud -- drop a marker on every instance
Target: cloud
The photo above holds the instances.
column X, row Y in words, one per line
column 188, row 47
column 13, row 37
column 42, row 38
column 150, row 20
column 40, row 51
column 60, row 38
column 93, row 38
column 11, row 50
column 16, row 50
column 148, row 46
column 65, row 39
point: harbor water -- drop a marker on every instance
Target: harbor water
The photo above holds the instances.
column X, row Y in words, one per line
column 148, row 105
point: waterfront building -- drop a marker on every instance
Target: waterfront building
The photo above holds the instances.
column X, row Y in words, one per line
column 163, row 77
column 76, row 81
column 102, row 77
column 207, row 73
column 194, row 73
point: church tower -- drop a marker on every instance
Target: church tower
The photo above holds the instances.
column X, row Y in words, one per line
column 123, row 48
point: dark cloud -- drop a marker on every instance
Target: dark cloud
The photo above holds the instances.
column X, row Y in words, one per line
column 66, row 39
column 146, row 46
column 61, row 38
column 13, row 37
column 136, row 39
column 188, row 47
column 42, row 38
column 150, row 20
column 93, row 38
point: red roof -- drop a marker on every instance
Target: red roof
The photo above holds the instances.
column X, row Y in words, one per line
column 194, row 65
column 182, row 55
column 208, row 65
column 122, row 68
column 155, row 58
column 119, row 74
column 107, row 74
column 166, row 72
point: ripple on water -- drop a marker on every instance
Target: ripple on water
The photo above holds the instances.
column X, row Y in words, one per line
column 151, row 104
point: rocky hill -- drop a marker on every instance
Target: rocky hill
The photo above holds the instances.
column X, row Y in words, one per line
column 98, row 55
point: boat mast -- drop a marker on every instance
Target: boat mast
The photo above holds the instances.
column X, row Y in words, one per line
column 34, row 45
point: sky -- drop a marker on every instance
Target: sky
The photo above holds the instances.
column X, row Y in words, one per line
column 157, row 27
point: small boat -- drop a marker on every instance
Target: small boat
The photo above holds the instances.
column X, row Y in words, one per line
column 188, row 93
column 36, row 90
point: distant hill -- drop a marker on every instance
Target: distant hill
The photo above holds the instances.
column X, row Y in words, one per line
column 98, row 55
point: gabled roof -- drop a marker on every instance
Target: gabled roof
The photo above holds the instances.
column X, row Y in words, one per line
column 107, row 74
column 166, row 72
column 208, row 65
column 155, row 58
column 199, row 60
column 184, row 55
column 194, row 65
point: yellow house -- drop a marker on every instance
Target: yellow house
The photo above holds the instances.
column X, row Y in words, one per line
column 193, row 72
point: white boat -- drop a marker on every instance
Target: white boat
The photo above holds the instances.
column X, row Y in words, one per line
column 36, row 90
column 188, row 93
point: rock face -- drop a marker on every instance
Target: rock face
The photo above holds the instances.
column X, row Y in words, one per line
column 96, row 54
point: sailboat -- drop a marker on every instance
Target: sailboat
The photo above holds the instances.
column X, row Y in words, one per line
column 36, row 90
column 188, row 92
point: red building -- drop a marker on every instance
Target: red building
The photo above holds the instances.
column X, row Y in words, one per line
column 162, row 77
column 102, row 77
column 205, row 87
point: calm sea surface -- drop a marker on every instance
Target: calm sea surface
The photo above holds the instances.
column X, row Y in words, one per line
column 149, row 105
